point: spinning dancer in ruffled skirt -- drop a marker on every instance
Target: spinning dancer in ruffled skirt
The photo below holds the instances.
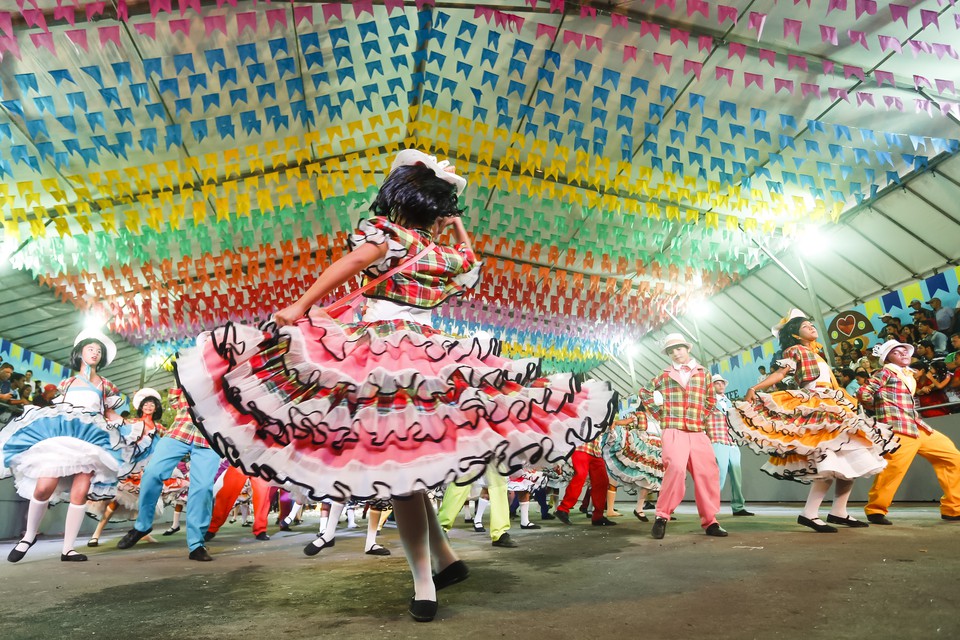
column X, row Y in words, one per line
column 388, row 407
column 633, row 452
column 813, row 434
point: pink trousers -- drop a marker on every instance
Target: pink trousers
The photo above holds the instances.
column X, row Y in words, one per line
column 687, row 451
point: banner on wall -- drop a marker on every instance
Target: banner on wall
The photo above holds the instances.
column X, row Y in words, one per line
column 852, row 327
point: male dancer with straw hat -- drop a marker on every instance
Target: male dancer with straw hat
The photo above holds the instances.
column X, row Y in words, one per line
column 724, row 447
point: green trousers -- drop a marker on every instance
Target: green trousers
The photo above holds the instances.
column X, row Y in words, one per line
column 455, row 495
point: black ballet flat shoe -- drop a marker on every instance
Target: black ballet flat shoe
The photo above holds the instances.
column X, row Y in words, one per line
column 132, row 537
column 93, row 542
column 209, row 535
column 312, row 549
column 642, row 517
column 604, row 522
column 878, row 518
column 562, row 516
column 649, row 505
column 455, row 572
column 262, row 536
column 853, row 523
column 950, row 518
column 479, row 528
column 283, row 527
column 529, row 525
column 201, row 554
column 72, row 556
column 547, row 516
column 659, row 528
column 423, row 610
column 173, row 530
column 743, row 512
column 17, row 556
column 377, row 550
column 716, row 531
column 819, row 528
column 505, row 541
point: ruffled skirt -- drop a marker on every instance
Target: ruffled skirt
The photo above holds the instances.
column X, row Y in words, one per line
column 374, row 410
column 128, row 497
column 634, row 458
column 813, row 434
column 61, row 441
column 527, row 480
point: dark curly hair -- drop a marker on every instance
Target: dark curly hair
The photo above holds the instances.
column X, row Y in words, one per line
column 158, row 412
column 76, row 359
column 789, row 331
column 413, row 196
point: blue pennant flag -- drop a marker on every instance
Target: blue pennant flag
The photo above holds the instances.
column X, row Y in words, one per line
column 215, row 57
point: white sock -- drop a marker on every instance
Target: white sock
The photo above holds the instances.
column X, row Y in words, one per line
column 481, row 507
column 323, row 524
column 371, row 530
column 330, row 532
column 176, row 519
column 244, row 513
column 71, row 526
column 351, row 518
column 413, row 526
column 842, row 494
column 524, row 514
column 35, row 513
column 294, row 512
column 818, row 491
column 467, row 511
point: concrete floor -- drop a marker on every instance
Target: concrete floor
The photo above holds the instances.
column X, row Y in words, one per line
column 770, row 579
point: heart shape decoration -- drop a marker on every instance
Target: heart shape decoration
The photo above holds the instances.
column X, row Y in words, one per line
column 846, row 325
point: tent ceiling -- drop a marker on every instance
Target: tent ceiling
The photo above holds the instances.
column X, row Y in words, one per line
column 157, row 167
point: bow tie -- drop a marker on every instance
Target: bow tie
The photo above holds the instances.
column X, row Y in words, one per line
column 685, row 368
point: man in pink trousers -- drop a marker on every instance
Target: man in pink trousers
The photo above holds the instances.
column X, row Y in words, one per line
column 681, row 398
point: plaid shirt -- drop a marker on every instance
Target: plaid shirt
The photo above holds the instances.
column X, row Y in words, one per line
column 806, row 361
column 717, row 429
column 591, row 448
column 183, row 428
column 442, row 273
column 686, row 409
column 893, row 403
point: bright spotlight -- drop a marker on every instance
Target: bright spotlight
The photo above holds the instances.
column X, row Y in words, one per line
column 94, row 322
column 631, row 348
column 699, row 307
column 813, row 240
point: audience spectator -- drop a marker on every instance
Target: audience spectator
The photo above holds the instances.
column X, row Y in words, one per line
column 848, row 381
column 931, row 387
column 46, row 396
column 891, row 321
column 925, row 351
column 28, row 379
column 952, row 352
column 929, row 332
column 919, row 312
column 943, row 315
column 862, row 376
column 909, row 334
column 6, row 388
column 16, row 390
column 763, row 373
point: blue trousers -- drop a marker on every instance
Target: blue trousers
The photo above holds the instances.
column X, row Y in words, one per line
column 728, row 459
column 203, row 471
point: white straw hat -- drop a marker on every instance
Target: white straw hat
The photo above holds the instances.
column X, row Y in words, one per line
column 143, row 394
column 93, row 334
column 883, row 350
column 674, row 339
column 794, row 313
column 409, row 157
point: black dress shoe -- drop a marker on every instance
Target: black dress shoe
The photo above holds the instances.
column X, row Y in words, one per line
column 377, row 550
column 201, row 555
column 604, row 522
column 284, row 527
column 878, row 518
column 716, row 531
column 17, row 556
column 132, row 537
column 313, row 549
column 950, row 518
column 649, row 505
column 505, row 541
column 547, row 516
column 209, row 535
column 171, row 531
column 529, row 525
column 423, row 610
column 93, row 542
column 479, row 528
column 853, row 523
column 819, row 528
column 642, row 517
column 262, row 536
column 72, row 556
column 455, row 572
column 743, row 512
column 563, row 516
column 659, row 528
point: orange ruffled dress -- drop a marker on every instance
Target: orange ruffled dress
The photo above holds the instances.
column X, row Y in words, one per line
column 813, row 432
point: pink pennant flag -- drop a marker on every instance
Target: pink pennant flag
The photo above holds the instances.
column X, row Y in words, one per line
column 594, row 41
column 946, row 108
column 651, row 28
column 893, row 102
column 792, row 28
column 331, row 11
column 782, row 83
column 156, row 6
column 147, row 29
column 828, row 34
column 78, row 37
column 736, row 49
column 917, row 47
column 858, row 37
column 725, row 13
column 276, row 17
column 548, row 30
column 248, row 20
column 35, row 18
column 678, row 35
column 123, row 14
column 663, row 60
column 943, row 49
column 693, row 66
column 704, row 43
column 483, row 12
column 884, row 76
column 768, row 56
column 189, row 4
column 698, row 6
column 868, row 7
column 752, row 78
column 212, row 24
column 889, row 42
column 920, row 80
column 587, row 11
column 945, row 85
column 6, row 23
column 756, row 22
column 572, row 36
column 109, row 34
column 928, row 18
column 809, row 89
column 392, row 5
column 796, row 62
column 301, row 13
column 557, row 6
column 836, row 4
column 619, row 20
column 516, row 21
column 94, row 9
column 899, row 12
column 182, row 25
column 10, row 45
column 864, row 96
column 727, row 74
column 836, row 93
column 828, row 66
column 853, row 70
column 45, row 39
column 68, row 13
column 361, row 7
column 629, row 52
column 923, row 105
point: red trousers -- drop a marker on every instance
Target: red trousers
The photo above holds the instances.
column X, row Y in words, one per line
column 233, row 481
column 584, row 464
